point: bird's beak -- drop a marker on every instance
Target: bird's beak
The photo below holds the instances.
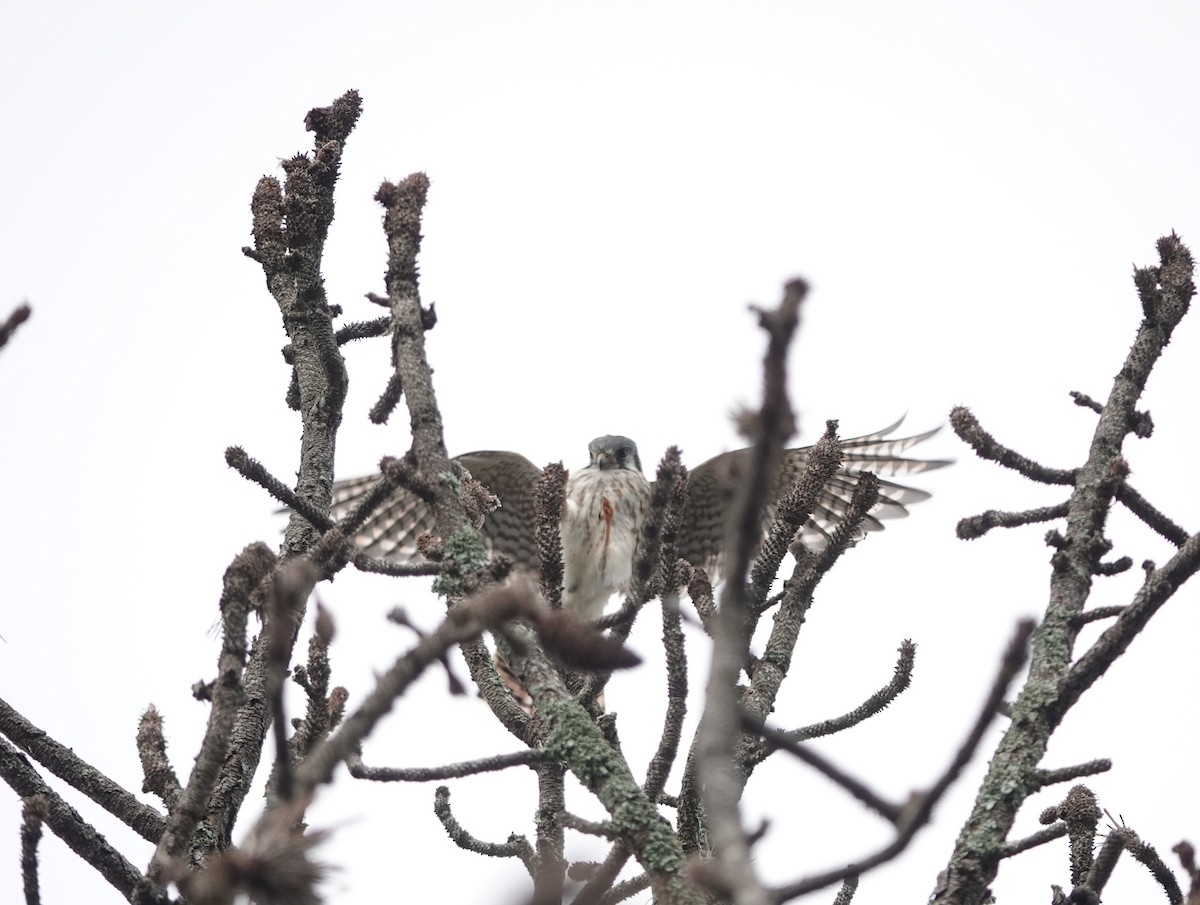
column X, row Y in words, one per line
column 605, row 459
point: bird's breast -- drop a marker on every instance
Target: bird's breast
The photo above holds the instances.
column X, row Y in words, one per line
column 601, row 523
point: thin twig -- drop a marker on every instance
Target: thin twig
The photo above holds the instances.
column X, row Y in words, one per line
column 318, row 767
column 8, row 327
column 313, row 676
column 1033, row 840
column 921, row 807
column 901, row 679
column 977, row 526
column 1140, row 506
column 527, row 758
column 1158, row 588
column 157, row 773
column 517, row 846
column 253, row 470
column 1125, row 839
column 1066, row 774
column 588, row 827
column 625, row 889
column 846, row 893
column 33, row 814
column 886, row 809
column 350, row 332
column 365, row 563
column 969, row 430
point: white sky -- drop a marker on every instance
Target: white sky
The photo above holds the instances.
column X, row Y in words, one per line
column 965, row 188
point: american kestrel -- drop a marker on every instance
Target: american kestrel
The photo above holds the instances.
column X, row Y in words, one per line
column 608, row 499
column 601, row 524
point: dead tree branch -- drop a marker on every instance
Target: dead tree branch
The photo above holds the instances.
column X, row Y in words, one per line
column 717, row 736
column 1055, row 683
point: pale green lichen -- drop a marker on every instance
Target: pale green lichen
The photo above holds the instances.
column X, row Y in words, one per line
column 575, row 740
column 468, row 553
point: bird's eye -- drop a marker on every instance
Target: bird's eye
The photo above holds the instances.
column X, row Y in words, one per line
column 623, row 452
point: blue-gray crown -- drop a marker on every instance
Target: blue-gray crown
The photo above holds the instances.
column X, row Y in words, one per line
column 614, row 451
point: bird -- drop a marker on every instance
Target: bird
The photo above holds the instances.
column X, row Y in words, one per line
column 607, row 500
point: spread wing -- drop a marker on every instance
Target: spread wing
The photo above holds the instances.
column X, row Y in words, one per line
column 711, row 486
column 392, row 532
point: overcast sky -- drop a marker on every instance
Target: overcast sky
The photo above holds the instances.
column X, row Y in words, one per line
column 967, row 190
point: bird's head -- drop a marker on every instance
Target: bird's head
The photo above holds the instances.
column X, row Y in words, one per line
column 614, row 452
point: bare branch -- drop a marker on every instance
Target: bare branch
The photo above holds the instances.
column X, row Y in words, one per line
column 660, row 525
column 771, row 669
column 380, row 326
column 289, row 231
column 1066, row 774
column 365, row 563
column 289, row 236
column 1159, row 587
column 318, row 767
column 920, row 808
column 1100, row 612
column 517, row 846
column 1124, row 839
column 253, row 470
column 576, row 740
column 1054, row 684
column 846, row 893
column 551, row 495
column 599, row 886
column 968, row 428
column 286, row 601
column 700, row 592
column 8, row 327
column 1187, row 858
column 33, row 814
column 901, row 679
column 549, row 821
column 388, row 400
column 1139, row 506
column 1033, row 840
column 718, row 733
column 313, row 676
column 792, row 512
column 158, row 774
column 79, row 774
column 79, row 835
column 241, row 582
column 625, row 889
column 527, row 758
column 272, row 866
column 890, row 812
column 677, row 686
column 978, row 525
column 588, row 827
